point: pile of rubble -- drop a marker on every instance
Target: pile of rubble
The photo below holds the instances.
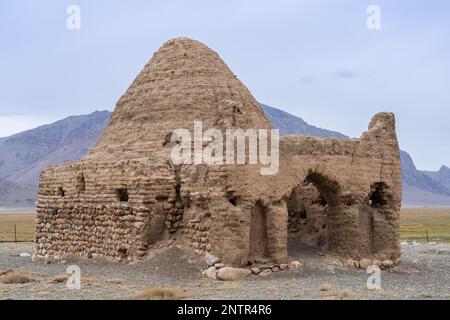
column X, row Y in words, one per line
column 219, row 271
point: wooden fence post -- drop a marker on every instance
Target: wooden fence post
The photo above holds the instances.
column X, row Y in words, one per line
column 428, row 238
column 15, row 234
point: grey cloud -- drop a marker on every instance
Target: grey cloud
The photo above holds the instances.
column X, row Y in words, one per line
column 346, row 74
column 307, row 80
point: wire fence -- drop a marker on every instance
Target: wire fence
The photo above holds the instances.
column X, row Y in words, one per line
column 424, row 236
column 16, row 235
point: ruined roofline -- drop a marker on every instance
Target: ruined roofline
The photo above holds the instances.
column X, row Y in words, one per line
column 380, row 121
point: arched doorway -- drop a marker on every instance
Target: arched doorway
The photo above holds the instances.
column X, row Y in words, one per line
column 311, row 205
column 307, row 221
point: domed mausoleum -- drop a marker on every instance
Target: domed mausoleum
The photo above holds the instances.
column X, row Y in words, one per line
column 127, row 195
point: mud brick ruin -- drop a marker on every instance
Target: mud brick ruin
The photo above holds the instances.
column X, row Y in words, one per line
column 126, row 196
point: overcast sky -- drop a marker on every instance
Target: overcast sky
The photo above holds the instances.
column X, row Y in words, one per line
column 315, row 59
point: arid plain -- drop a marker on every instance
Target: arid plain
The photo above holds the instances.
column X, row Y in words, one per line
column 423, row 273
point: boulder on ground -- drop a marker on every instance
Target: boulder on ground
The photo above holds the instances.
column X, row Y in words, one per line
column 211, row 260
column 349, row 263
column 211, row 273
column 387, row 264
column 255, row 270
column 365, row 263
column 233, row 274
column 265, row 273
column 295, row 264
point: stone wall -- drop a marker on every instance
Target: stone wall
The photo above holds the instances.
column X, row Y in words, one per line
column 104, row 208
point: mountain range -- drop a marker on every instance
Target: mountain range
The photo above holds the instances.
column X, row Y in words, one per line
column 24, row 155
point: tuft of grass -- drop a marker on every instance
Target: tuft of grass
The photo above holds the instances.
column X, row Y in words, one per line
column 427, row 295
column 345, row 294
column 60, row 277
column 16, row 278
column 90, row 281
column 2, row 272
column 114, row 281
column 325, row 287
column 163, row 294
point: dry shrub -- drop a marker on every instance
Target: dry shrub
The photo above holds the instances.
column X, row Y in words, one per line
column 2, row 272
column 325, row 286
column 113, row 281
column 163, row 294
column 90, row 281
column 345, row 294
column 16, row 278
column 60, row 277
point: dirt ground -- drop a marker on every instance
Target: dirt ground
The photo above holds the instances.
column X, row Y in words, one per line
column 424, row 274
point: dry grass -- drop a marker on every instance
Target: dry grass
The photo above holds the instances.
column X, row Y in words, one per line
column 345, row 294
column 60, row 277
column 114, row 281
column 24, row 222
column 16, row 278
column 90, row 281
column 5, row 271
column 163, row 294
column 415, row 222
column 325, row 287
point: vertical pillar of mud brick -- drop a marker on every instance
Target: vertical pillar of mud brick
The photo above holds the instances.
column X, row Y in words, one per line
column 343, row 228
column 229, row 233
column 386, row 233
column 277, row 224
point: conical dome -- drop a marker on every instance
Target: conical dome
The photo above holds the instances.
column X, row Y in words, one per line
column 185, row 81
